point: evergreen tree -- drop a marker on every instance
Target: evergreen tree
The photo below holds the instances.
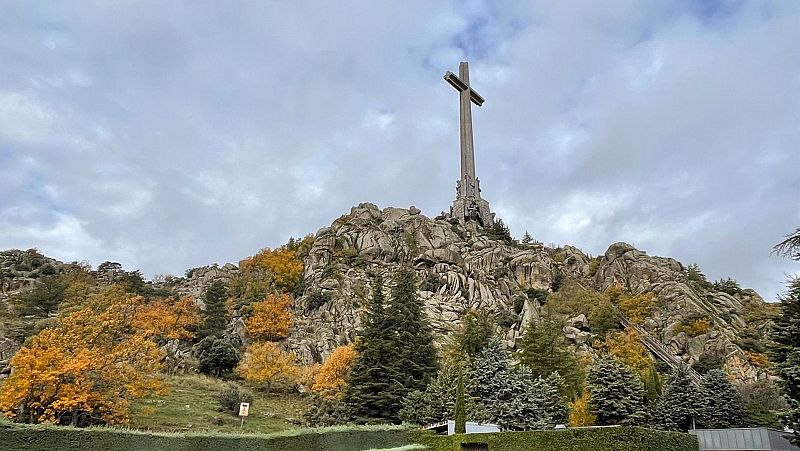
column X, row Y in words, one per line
column 217, row 356
column 512, row 397
column 371, row 385
column 785, row 353
column 722, row 405
column 477, row 328
column 544, row 352
column 43, row 299
column 526, row 238
column 617, row 394
column 438, row 401
column 652, row 384
column 395, row 355
column 215, row 320
column 680, row 404
column 461, row 410
column 415, row 360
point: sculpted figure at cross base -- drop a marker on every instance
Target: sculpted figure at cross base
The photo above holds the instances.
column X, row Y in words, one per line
column 468, row 206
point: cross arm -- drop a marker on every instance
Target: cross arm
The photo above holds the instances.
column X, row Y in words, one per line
column 460, row 86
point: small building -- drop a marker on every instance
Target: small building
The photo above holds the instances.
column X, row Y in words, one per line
column 743, row 439
column 449, row 427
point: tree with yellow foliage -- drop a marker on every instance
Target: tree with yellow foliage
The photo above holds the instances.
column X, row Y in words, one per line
column 330, row 379
column 283, row 265
column 168, row 319
column 628, row 349
column 271, row 319
column 637, row 308
column 86, row 369
column 265, row 362
column 579, row 413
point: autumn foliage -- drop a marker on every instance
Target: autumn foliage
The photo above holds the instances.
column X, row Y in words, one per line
column 579, row 413
column 284, row 265
column 271, row 319
column 87, row 368
column 167, row 319
column 330, row 379
column 265, row 362
column 627, row 348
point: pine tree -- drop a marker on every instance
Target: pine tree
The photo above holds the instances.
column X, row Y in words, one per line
column 370, row 384
column 617, row 394
column 680, row 404
column 722, row 405
column 215, row 315
column 395, row 355
column 216, row 356
column 416, row 361
column 543, row 351
column 526, row 238
column 785, row 353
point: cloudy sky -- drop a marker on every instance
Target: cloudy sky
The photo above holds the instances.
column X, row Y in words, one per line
column 167, row 135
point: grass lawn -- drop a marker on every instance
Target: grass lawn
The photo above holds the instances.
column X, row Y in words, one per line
column 191, row 405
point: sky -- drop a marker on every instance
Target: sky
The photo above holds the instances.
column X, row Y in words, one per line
column 170, row 135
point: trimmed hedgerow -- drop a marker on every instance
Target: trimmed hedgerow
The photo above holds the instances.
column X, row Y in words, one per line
column 603, row 439
column 39, row 437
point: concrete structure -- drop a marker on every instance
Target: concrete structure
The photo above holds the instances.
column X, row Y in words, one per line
column 743, row 439
column 468, row 206
column 472, row 428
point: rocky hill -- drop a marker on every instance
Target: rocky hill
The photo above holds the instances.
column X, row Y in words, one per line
column 461, row 267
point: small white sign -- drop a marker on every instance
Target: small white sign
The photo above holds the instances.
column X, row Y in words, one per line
column 244, row 409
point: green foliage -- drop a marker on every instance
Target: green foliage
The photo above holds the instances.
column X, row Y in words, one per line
column 728, row 285
column 432, row 282
column 603, row 318
column 617, row 393
column 696, row 278
column 217, row 356
column 460, row 408
column 722, row 406
column 543, row 351
column 499, row 231
column 537, row 294
column 38, row 437
column 616, row 439
column 43, row 299
column 527, row 238
column 558, row 279
column 706, row 363
column 785, row 353
column 680, row 404
column 652, row 384
column 477, row 328
column 317, row 299
column 215, row 319
column 395, row 353
column 511, row 396
column 327, row 412
column 438, row 401
column 231, row 396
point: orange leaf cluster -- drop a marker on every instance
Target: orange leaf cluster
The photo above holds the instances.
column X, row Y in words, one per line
column 90, row 365
column 167, row 319
column 626, row 346
column 265, row 362
column 330, row 379
column 284, row 265
column 271, row 319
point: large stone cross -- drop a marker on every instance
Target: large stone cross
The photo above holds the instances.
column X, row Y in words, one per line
column 468, row 204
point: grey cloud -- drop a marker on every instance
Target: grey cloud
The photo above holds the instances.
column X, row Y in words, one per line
column 167, row 136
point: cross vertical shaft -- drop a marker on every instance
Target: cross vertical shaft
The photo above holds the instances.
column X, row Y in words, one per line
column 467, row 146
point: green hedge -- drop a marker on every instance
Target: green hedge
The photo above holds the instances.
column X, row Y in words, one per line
column 51, row 438
column 597, row 439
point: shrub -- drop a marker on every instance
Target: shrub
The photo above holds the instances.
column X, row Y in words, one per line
column 692, row 327
column 706, row 363
column 317, row 299
column 231, row 396
column 431, row 283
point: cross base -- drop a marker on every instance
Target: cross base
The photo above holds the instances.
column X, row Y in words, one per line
column 467, row 209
